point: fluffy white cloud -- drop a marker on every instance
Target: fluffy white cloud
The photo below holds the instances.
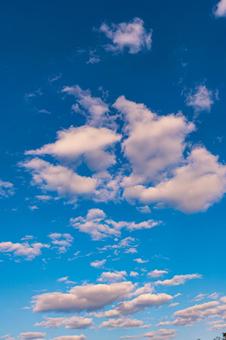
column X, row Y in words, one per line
column 113, row 276
column 178, row 280
column 85, row 142
column 80, row 298
column 131, row 36
column 194, row 186
column 154, row 143
column 24, row 249
column 61, row 241
column 32, row 335
column 157, row 273
column 201, row 99
column 143, row 301
column 6, row 188
column 122, row 323
column 220, row 10
column 95, row 106
column 59, row 178
column 98, row 226
column 70, row 337
column 74, row 322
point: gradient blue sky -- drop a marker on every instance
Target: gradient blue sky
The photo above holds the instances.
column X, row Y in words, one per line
column 52, row 48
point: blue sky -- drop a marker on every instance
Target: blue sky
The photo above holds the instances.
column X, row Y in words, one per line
column 113, row 175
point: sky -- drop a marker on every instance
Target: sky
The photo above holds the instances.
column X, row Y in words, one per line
column 113, row 174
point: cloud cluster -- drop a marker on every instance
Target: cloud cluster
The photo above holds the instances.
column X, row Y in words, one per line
column 98, row 226
column 131, row 36
column 27, row 250
column 156, row 163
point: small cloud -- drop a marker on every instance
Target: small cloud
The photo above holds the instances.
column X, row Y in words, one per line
column 220, row 9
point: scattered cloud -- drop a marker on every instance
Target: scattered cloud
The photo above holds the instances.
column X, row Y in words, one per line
column 6, row 188
column 98, row 226
column 74, row 322
column 61, row 241
column 178, row 280
column 113, row 276
column 157, row 273
column 202, row 99
column 130, row 36
column 24, row 250
column 122, row 323
column 98, row 263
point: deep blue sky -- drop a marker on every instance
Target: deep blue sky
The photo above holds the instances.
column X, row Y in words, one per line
column 44, row 40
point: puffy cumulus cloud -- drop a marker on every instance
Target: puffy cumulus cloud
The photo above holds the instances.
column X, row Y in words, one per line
column 95, row 106
column 85, row 142
column 32, row 335
column 220, row 10
column 6, row 188
column 194, row 187
column 122, row 323
column 157, row 273
column 178, row 280
column 61, row 241
column 201, row 99
column 98, row 226
column 74, row 322
column 82, row 298
column 154, row 143
column 70, row 337
column 59, row 178
column 98, row 263
column 113, row 276
column 131, row 36
column 142, row 302
column 161, row 334
column 25, row 249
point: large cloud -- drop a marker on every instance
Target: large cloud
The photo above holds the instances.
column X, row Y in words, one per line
column 59, row 178
column 85, row 141
column 80, row 298
column 195, row 186
column 98, row 226
column 220, row 10
column 131, row 36
column 154, row 143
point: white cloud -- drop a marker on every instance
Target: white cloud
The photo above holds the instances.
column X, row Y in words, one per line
column 85, row 141
column 59, row 178
column 27, row 250
column 220, row 10
column 154, row 144
column 70, row 337
column 122, row 323
column 143, row 301
column 98, row 226
column 194, row 187
column 32, row 335
column 74, row 322
column 113, row 276
column 80, row 298
column 201, row 99
column 178, row 280
column 61, row 241
column 6, row 188
column 157, row 273
column 161, row 334
column 98, row 263
column 95, row 106
column 131, row 36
